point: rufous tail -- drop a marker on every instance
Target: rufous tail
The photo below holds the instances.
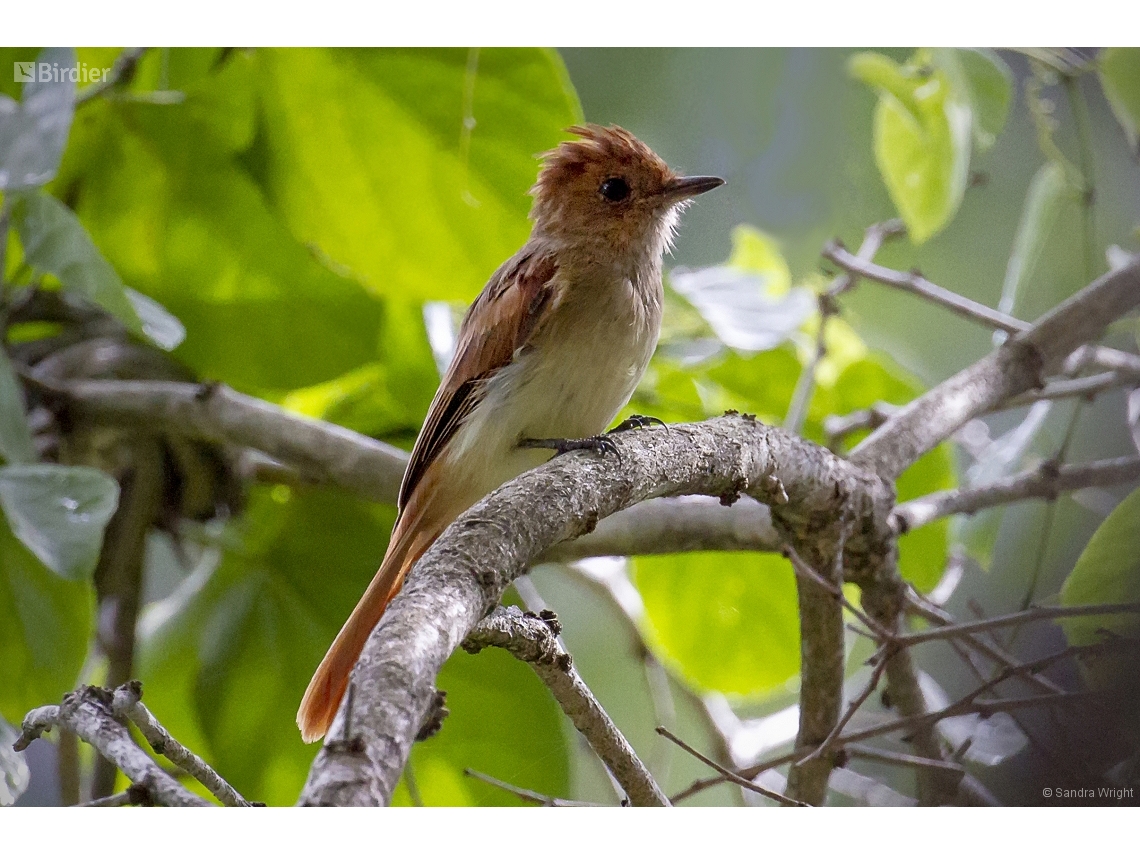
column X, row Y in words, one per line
column 322, row 699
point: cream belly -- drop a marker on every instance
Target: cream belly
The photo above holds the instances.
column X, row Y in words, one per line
column 569, row 383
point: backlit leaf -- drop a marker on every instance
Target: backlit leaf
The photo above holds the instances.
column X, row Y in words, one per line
column 728, row 622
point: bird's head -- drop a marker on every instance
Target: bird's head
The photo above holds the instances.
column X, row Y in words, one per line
column 608, row 191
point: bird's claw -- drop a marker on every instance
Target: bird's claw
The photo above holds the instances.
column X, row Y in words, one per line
column 636, row 422
column 601, row 444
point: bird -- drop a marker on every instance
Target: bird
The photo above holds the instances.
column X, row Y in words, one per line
column 546, row 357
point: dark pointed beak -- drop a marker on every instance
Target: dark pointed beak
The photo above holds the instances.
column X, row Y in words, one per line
column 689, row 186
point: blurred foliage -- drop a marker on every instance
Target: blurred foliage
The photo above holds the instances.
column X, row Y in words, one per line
column 1108, row 571
column 279, row 218
column 1120, row 76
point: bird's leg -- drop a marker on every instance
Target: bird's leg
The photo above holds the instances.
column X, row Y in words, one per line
column 601, row 444
column 636, row 422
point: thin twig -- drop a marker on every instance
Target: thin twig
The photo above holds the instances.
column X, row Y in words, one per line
column 984, row 646
column 1080, row 387
column 915, row 283
column 780, row 798
column 525, row 794
column 852, row 708
column 127, row 701
column 121, row 71
column 132, row 795
column 533, row 639
column 836, row 428
column 896, row 758
column 87, row 713
column 968, row 628
column 804, row 569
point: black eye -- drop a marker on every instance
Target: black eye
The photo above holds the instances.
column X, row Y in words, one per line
column 614, row 189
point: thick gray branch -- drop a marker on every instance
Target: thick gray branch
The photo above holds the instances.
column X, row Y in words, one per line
column 1017, row 366
column 683, row 524
column 462, row 576
column 322, row 452
column 87, row 713
column 533, row 640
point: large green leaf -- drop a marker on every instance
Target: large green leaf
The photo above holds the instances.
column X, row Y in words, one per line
column 1120, row 77
column 228, row 656
column 54, row 241
column 1108, row 571
column 178, row 215
column 921, row 139
column 728, row 622
column 373, row 157
column 45, row 624
column 33, row 132
column 59, row 513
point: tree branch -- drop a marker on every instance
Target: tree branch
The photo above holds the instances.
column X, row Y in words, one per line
column 1044, row 482
column 127, row 703
column 534, row 640
column 322, row 452
column 682, row 524
column 462, row 576
column 87, row 713
column 1017, row 366
column 915, row 283
column 779, row 798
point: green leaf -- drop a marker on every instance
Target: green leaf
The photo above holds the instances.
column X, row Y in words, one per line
column 1108, row 571
column 921, row 140
column 983, row 80
column 727, row 622
column 59, row 513
column 158, row 325
column 34, row 131
column 15, row 438
column 55, row 242
column 1047, row 193
column 366, row 156
column 1120, row 78
column 45, row 624
column 195, row 232
column 502, row 722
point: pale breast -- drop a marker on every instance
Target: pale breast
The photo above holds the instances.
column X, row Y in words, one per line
column 569, row 382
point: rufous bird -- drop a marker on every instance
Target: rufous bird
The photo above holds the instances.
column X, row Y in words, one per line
column 546, row 357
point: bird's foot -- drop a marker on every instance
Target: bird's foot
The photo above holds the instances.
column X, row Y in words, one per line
column 636, row 422
column 601, row 444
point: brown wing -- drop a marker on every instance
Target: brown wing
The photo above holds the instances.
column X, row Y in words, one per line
column 500, row 322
